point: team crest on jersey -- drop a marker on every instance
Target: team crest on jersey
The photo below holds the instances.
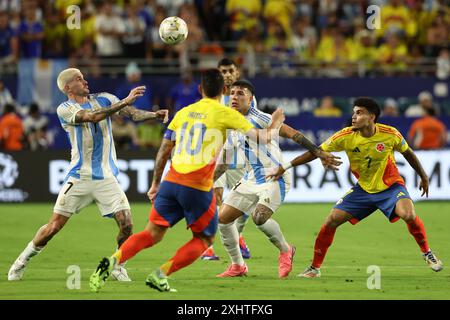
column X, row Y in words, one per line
column 380, row 147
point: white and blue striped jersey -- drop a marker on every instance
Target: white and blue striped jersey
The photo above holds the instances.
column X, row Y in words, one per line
column 234, row 152
column 260, row 157
column 93, row 155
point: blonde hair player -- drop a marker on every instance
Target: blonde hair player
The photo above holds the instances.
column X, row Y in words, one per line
column 93, row 167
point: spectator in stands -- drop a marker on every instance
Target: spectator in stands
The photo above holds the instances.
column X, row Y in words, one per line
column 304, row 39
column 134, row 79
column 55, row 43
column 134, row 35
column 390, row 108
column 124, row 133
column 11, row 130
column 242, row 15
column 155, row 48
column 396, row 18
column 150, row 134
column 9, row 45
column 281, row 52
column 393, row 55
column 334, row 53
column 438, row 35
column 196, row 34
column 5, row 96
column 250, row 44
column 36, row 129
column 183, row 93
column 428, row 132
column 327, row 108
column 280, row 11
column 86, row 33
column 443, row 65
column 425, row 103
column 31, row 34
column 110, row 28
column 363, row 52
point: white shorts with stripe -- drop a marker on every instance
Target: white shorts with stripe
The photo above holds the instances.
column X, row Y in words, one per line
column 77, row 194
column 229, row 179
column 246, row 195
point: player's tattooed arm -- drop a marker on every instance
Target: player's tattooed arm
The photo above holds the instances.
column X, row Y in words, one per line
column 414, row 162
column 329, row 161
column 103, row 113
column 296, row 136
column 141, row 115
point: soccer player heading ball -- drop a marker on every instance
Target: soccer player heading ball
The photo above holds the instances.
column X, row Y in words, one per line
column 370, row 149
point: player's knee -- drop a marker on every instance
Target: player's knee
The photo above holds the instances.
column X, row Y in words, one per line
column 332, row 221
column 259, row 219
column 407, row 214
column 207, row 240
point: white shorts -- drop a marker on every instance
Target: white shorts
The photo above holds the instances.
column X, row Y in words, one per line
column 246, row 195
column 229, row 178
column 76, row 194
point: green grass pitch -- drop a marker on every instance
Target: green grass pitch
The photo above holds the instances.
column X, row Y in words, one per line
column 87, row 237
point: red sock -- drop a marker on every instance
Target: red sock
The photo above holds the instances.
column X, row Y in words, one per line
column 184, row 256
column 323, row 242
column 417, row 230
column 134, row 244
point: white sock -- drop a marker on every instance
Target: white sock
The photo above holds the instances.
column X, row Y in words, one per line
column 241, row 222
column 29, row 252
column 230, row 239
column 272, row 230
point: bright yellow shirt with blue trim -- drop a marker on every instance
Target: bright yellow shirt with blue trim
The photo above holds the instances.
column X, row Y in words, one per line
column 199, row 131
column 371, row 159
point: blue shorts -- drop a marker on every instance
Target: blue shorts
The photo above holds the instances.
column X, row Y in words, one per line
column 174, row 202
column 361, row 204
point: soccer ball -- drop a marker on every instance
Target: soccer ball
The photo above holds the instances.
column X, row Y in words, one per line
column 173, row 30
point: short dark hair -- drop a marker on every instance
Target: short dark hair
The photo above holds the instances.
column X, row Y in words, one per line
column 370, row 104
column 226, row 62
column 245, row 84
column 9, row 108
column 212, row 82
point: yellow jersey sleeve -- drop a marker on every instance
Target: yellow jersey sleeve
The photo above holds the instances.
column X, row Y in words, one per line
column 337, row 141
column 400, row 143
column 234, row 120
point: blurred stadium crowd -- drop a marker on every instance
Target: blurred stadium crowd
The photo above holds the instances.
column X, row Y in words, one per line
column 312, row 38
column 297, row 37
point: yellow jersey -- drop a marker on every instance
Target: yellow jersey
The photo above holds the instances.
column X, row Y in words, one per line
column 199, row 131
column 371, row 159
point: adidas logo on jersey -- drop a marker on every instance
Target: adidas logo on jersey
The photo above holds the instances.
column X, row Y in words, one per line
column 356, row 150
column 400, row 194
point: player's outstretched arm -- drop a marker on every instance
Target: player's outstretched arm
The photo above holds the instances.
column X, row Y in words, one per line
column 101, row 114
column 305, row 157
column 277, row 172
column 161, row 160
column 329, row 160
column 414, row 162
column 141, row 115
